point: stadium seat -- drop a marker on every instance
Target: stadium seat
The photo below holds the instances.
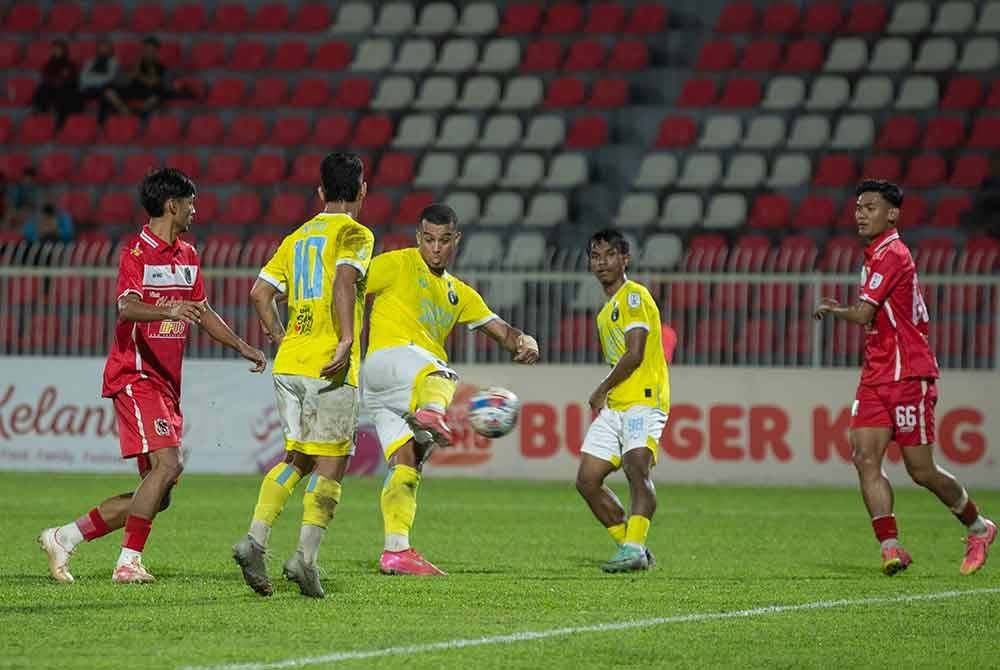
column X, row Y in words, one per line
column 290, row 55
column 438, row 93
column 681, row 210
column 909, row 18
column 410, row 207
column 660, row 251
column 914, row 210
column 353, row 18
column 436, row 170
column 353, row 93
column 372, row 56
column 745, row 171
column 36, row 129
column 636, row 210
column 608, row 93
column 226, row 92
column 697, row 93
column 456, row 56
column 436, row 18
column 841, row 254
column 740, row 92
column 936, row 55
column 770, row 210
column 628, row 55
column 993, row 97
column 737, row 17
column 95, row 168
column 676, row 131
column 394, row 93
column 899, row 132
column 720, row 132
column 480, row 170
column 206, row 55
column 23, row 17
column 414, row 56
column 815, row 211
column 135, row 166
column 545, row 54
column 544, row 132
column 223, row 168
column 394, row 169
column 268, row 92
column 765, row 132
column 567, row 170
column 79, row 205
column 63, row 17
column 186, row 163
column 331, row 131
column 523, row 170
column 584, row 55
column 6, row 129
column 105, row 17
column 587, row 132
column 985, row 133
column 312, row 17
column 726, row 211
column 232, row 17
column 286, row 209
column 248, row 56
column 866, row 18
column 790, row 171
column 187, row 18
column 10, row 53
column 989, row 19
column 266, row 169
column 883, row 166
column 834, row 170
column 943, row 133
column 949, row 210
column 116, row 206
column 56, row 167
column 309, row 92
column 78, row 129
column 457, row 131
column 147, row 18
column 525, row 251
column 246, row 130
column 760, row 56
column 604, row 17
column 853, row 131
column 891, row 54
column 478, row 18
column 716, row 56
column 520, row 17
column 784, row 93
column 962, row 93
column 415, row 131
column 780, row 18
column 969, row 171
column 828, row 93
column 980, row 54
column 647, row 18
column 700, row 170
column 562, row 18
column 547, row 210
column 872, row 93
column 467, row 205
column 502, row 132
column 809, row 132
column 481, row 93
column 204, row 130
column 501, row 55
column 243, row 208
column 395, row 18
column 377, row 210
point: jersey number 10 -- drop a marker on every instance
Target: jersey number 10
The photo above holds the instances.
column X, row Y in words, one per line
column 308, row 282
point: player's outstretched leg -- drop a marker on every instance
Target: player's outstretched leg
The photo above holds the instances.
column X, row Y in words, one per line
column 59, row 542
column 868, row 449
column 399, row 508
column 434, row 394
column 251, row 551
column 982, row 532
column 632, row 554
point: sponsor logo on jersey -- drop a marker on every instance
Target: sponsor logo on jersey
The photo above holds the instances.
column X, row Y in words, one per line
column 875, row 281
column 634, row 299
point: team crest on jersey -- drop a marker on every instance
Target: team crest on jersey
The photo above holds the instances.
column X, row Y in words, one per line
column 162, row 427
column 614, row 313
column 362, row 253
column 634, row 299
column 422, row 280
column 136, row 251
column 452, row 296
column 876, row 281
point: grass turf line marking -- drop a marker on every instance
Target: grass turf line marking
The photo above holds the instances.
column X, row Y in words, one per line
column 524, row 636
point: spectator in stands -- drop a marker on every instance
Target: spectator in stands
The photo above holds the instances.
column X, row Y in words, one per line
column 146, row 87
column 51, row 224
column 98, row 76
column 984, row 215
column 58, row 90
column 22, row 198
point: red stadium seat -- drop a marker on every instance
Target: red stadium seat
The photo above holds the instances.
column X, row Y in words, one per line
column 230, row 17
column 248, row 56
column 394, row 169
column 82, row 50
column 56, row 167
column 943, row 132
column 962, row 93
column 608, row 93
column 334, row 55
column 310, row 92
column 749, row 254
column 577, row 334
column 44, row 334
column 162, row 130
column 36, row 54
column 78, row 129
column 204, row 129
column 207, row 206
column 373, row 131
column 935, row 255
column 391, row 241
column 290, row 55
column 984, row 342
column 95, row 168
column 312, row 17
column 117, row 207
column 605, row 17
column 127, row 51
column 815, row 211
column 135, row 167
column 584, row 55
column 226, row 92
column 834, row 170
column 969, row 170
column 305, row 169
column 867, row 18
column 822, row 18
column 147, row 18
column 796, row 253
column 289, row 131
column 242, row 209
column 106, row 17
column 37, row 129
column 985, row 133
column 78, row 203
column 805, row 55
column 760, row 56
column 186, row 163
column 520, row 17
column 740, row 93
column 64, row 17
column 842, row 254
column 120, row 129
column 10, row 53
column 12, row 165
column 223, row 168
column 411, row 205
column 706, row 253
column 563, row 18
column 711, row 337
column 266, row 169
column 268, row 92
column 926, row 171
column 587, row 132
column 187, row 18
column 286, row 209
column 207, row 55
column 697, row 93
column 6, row 129
column 246, row 130
column 24, row 17
column 542, row 55
column 376, row 210
column 628, row 55
column 353, row 93
column 770, row 210
column 756, row 338
column 716, row 56
column 899, row 132
column 883, row 166
column 331, row 131
column 18, row 91
column 271, row 17
column 647, row 17
column 780, row 18
column 914, row 211
column 564, row 92
column 993, row 97
column 981, row 255
column 737, row 17
column 949, row 211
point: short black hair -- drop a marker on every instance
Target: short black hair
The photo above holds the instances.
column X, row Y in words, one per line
column 439, row 214
column 161, row 185
column 612, row 237
column 340, row 173
column 889, row 191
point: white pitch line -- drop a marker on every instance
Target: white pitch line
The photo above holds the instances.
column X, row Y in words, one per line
column 448, row 645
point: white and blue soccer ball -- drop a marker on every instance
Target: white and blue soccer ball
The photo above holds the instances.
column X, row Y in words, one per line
column 493, row 411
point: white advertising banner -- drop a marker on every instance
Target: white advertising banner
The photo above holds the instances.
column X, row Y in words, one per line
column 736, row 425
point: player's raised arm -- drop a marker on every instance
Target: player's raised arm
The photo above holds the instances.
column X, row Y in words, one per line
column 220, row 331
column 635, row 349
column 516, row 341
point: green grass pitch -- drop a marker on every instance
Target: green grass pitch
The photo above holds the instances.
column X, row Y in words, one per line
column 523, row 557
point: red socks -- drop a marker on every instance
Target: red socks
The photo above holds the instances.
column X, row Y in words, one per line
column 969, row 513
column 136, row 532
column 885, row 528
column 92, row 526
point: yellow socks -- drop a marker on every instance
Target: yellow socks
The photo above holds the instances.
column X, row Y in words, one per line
column 399, row 506
column 435, row 392
column 319, row 502
column 277, row 486
column 638, row 527
column 617, row 533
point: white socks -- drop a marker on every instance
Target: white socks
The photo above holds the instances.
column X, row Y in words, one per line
column 127, row 556
column 69, row 536
column 259, row 532
column 309, row 539
column 890, row 543
column 396, row 542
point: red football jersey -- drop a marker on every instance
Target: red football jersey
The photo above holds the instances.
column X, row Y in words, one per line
column 896, row 344
column 157, row 272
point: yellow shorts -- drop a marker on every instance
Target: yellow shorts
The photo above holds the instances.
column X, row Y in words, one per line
column 318, row 419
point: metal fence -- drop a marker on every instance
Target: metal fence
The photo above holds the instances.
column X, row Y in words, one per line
column 59, row 300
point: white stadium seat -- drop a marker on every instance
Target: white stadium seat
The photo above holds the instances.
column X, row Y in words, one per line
column 393, row 93
column 500, row 55
column 636, row 209
column 436, row 18
column 436, row 170
column 437, row 93
column 721, row 132
column 681, row 210
column 372, row 56
column 466, row 206
column 891, row 55
column 457, row 56
column 745, row 171
column 656, row 171
column 809, row 132
column 547, row 209
column 661, row 251
column 846, row 54
column 503, row 208
column 700, row 171
column 501, row 132
column 522, row 93
column 726, row 210
column 936, row 55
column 525, row 250
column 784, row 93
column 415, row 131
column 989, row 19
column 523, row 171
column 504, row 292
column 567, row 171
column 414, row 56
column 980, row 54
column 829, row 92
column 854, row 131
column 790, row 171
column 909, row 18
column 480, row 170
column 872, row 93
column 479, row 93
column 765, row 132
column 457, row 131
column 545, row 132
column 395, row 18
column 917, row 93
column 480, row 250
column 478, row 18
column 955, row 18
column 352, row 18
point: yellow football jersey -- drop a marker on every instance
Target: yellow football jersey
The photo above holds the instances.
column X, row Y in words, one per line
column 415, row 306
column 633, row 307
column 304, row 267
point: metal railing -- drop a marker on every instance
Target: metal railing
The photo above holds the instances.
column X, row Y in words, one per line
column 59, row 300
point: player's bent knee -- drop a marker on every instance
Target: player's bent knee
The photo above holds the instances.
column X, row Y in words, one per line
column 165, row 500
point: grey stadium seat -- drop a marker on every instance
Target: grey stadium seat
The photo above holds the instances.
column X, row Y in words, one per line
column 436, row 170
column 726, row 210
column 872, row 93
column 353, row 17
column 636, row 209
column 681, row 210
column 936, row 55
column 414, row 56
column 545, row 132
column 500, row 55
column 479, row 93
column 503, row 208
column 372, row 56
column 980, row 54
column 523, row 171
column 809, row 132
column 661, row 251
column 721, row 132
column 765, row 132
column 393, row 93
column 466, row 206
column 854, row 131
column 478, row 18
column 989, row 19
column 456, row 56
column 909, row 18
column 790, row 171
column 846, row 54
column 525, row 250
column 700, row 171
column 501, row 132
column 745, row 171
column 436, row 18
column 415, row 131
column 829, row 92
column 891, row 55
column 547, row 209
column 917, row 93
column 656, row 171
column 395, row 18
column 436, row 93
column 504, row 292
column 784, row 93
column 480, row 250
column 457, row 131
column 522, row 93
column 480, row 170
column 567, row 171
column 954, row 18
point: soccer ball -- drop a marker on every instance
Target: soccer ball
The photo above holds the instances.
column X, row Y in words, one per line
column 493, row 412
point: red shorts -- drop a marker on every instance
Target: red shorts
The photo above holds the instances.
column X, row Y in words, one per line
column 147, row 420
column 906, row 407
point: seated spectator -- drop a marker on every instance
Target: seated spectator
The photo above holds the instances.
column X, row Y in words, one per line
column 98, row 76
column 146, row 87
column 22, row 198
column 58, row 90
column 50, row 225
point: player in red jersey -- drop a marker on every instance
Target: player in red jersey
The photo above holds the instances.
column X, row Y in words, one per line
column 160, row 295
column 897, row 392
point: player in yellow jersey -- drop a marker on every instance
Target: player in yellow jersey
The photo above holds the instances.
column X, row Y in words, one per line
column 633, row 401
column 321, row 268
column 406, row 382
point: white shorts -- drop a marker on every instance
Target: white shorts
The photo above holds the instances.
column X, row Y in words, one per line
column 614, row 433
column 388, row 389
column 318, row 418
